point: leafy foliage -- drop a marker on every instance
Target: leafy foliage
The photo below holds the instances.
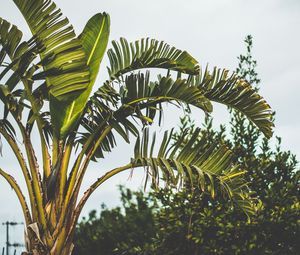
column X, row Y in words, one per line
column 194, row 223
column 45, row 85
column 135, row 220
column 199, row 225
column 64, row 60
column 237, row 94
column 209, row 167
column 145, row 53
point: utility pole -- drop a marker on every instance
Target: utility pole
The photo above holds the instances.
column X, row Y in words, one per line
column 8, row 244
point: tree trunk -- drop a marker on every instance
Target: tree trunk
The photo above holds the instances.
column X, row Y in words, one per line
column 35, row 246
column 40, row 250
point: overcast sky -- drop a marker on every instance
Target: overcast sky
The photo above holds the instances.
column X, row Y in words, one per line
column 213, row 32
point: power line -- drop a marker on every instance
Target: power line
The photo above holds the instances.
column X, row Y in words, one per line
column 8, row 244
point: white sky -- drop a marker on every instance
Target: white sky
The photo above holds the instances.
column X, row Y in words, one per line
column 213, row 32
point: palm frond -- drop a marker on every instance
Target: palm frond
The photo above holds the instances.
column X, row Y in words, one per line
column 148, row 53
column 98, row 116
column 20, row 54
column 10, row 37
column 138, row 89
column 236, row 93
column 106, row 94
column 212, row 168
column 140, row 99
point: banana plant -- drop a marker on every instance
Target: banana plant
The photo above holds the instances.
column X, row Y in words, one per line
column 49, row 92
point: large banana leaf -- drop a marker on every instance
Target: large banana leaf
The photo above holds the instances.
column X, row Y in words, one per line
column 236, row 93
column 148, row 53
column 94, row 39
column 63, row 57
column 139, row 89
column 212, row 168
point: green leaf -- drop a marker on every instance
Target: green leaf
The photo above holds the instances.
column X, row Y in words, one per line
column 10, row 37
column 141, row 94
column 236, row 93
column 148, row 53
column 214, row 167
column 94, row 39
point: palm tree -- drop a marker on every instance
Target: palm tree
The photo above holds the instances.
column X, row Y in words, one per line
column 46, row 86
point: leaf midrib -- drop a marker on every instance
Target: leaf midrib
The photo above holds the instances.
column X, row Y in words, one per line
column 95, row 44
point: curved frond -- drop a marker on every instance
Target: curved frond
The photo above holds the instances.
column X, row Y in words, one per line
column 148, row 53
column 212, row 168
column 20, row 54
column 140, row 99
column 137, row 94
column 236, row 93
column 140, row 93
column 10, row 37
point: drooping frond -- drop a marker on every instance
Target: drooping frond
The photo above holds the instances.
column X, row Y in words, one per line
column 236, row 93
column 212, row 168
column 148, row 53
column 138, row 98
column 139, row 93
column 10, row 37
column 20, row 54
column 142, row 99
column 97, row 118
